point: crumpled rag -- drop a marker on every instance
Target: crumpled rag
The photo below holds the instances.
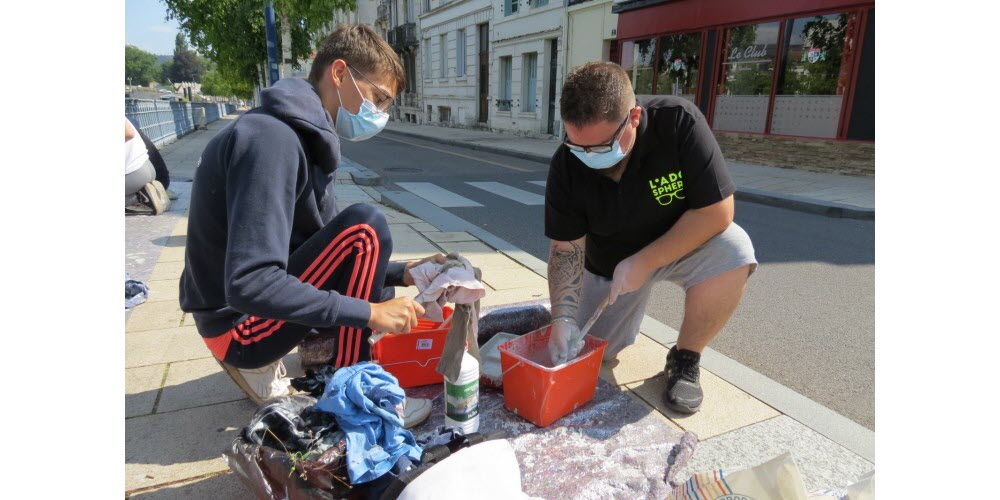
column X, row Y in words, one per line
column 453, row 282
column 364, row 399
column 136, row 292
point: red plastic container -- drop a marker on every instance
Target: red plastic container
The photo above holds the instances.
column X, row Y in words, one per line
column 412, row 357
column 541, row 394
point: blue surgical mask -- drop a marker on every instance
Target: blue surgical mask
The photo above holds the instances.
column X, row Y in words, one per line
column 600, row 161
column 364, row 125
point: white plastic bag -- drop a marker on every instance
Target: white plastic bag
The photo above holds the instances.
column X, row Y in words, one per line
column 486, row 470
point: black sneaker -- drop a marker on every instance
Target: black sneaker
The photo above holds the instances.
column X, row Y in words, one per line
column 683, row 393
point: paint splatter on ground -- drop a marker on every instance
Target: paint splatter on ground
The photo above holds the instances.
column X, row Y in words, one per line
column 612, row 447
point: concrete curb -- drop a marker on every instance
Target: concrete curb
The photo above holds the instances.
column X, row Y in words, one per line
column 839, row 429
column 780, row 200
column 803, row 204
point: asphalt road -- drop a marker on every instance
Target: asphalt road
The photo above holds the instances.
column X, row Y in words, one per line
column 807, row 319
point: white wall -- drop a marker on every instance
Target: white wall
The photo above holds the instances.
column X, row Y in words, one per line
column 590, row 29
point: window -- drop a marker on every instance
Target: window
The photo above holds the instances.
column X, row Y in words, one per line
column 540, row 3
column 442, row 57
column 638, row 61
column 815, row 76
column 529, row 81
column 411, row 7
column 427, row 58
column 427, row 5
column 509, row 7
column 460, row 53
column 744, row 93
column 679, row 65
column 505, row 101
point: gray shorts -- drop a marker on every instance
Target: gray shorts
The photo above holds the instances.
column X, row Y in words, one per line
column 619, row 323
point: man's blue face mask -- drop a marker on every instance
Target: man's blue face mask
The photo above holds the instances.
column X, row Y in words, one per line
column 601, row 156
column 365, row 124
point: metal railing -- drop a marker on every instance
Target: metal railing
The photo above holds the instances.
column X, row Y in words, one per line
column 504, row 104
column 403, row 36
column 164, row 122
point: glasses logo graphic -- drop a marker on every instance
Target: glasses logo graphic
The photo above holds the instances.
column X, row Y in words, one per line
column 667, row 188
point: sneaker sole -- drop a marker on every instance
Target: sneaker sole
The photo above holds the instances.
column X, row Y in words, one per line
column 681, row 408
column 241, row 382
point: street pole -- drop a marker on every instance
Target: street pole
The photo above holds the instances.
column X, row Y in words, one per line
column 272, row 44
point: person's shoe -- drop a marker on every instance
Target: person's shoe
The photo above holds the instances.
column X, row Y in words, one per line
column 415, row 411
column 172, row 195
column 683, row 393
column 261, row 384
column 155, row 197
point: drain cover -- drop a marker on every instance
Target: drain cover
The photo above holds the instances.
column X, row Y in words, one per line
column 406, row 170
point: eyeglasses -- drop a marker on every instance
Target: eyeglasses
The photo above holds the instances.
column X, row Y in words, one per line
column 384, row 100
column 599, row 148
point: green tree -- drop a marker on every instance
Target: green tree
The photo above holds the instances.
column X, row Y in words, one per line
column 215, row 84
column 140, row 66
column 231, row 32
column 186, row 67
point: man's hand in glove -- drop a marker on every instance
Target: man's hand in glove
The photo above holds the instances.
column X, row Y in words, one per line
column 564, row 341
column 630, row 275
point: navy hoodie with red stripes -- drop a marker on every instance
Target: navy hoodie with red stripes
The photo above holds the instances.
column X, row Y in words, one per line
column 264, row 186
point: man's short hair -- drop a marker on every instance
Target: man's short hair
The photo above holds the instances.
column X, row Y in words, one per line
column 596, row 91
column 363, row 49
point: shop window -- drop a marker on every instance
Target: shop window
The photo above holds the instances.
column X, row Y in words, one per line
column 815, row 76
column 679, row 65
column 744, row 93
column 637, row 59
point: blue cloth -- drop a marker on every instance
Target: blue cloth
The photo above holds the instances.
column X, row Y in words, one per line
column 363, row 398
column 136, row 292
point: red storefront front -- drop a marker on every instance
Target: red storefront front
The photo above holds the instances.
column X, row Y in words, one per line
column 793, row 68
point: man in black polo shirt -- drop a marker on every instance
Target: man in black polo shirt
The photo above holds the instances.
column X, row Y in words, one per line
column 638, row 193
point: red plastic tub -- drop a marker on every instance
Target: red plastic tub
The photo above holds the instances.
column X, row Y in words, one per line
column 541, row 394
column 413, row 357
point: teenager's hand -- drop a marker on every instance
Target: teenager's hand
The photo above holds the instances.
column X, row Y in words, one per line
column 398, row 315
column 564, row 341
column 436, row 258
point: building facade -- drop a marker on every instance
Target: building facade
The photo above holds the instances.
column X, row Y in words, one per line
column 591, row 31
column 769, row 68
column 398, row 23
column 527, row 59
column 455, row 65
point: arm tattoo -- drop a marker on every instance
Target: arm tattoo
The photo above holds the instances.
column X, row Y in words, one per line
column 565, row 279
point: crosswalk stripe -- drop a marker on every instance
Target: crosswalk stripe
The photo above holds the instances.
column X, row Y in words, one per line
column 437, row 195
column 537, row 183
column 509, row 192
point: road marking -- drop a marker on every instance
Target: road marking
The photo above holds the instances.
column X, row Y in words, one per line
column 511, row 167
column 437, row 195
column 537, row 183
column 509, row 192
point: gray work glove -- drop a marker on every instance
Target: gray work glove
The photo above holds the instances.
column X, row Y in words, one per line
column 565, row 341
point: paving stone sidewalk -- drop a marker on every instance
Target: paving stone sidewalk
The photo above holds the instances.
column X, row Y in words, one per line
column 829, row 194
column 182, row 411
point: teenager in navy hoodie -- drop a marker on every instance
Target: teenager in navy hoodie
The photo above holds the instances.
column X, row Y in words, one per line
column 268, row 256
